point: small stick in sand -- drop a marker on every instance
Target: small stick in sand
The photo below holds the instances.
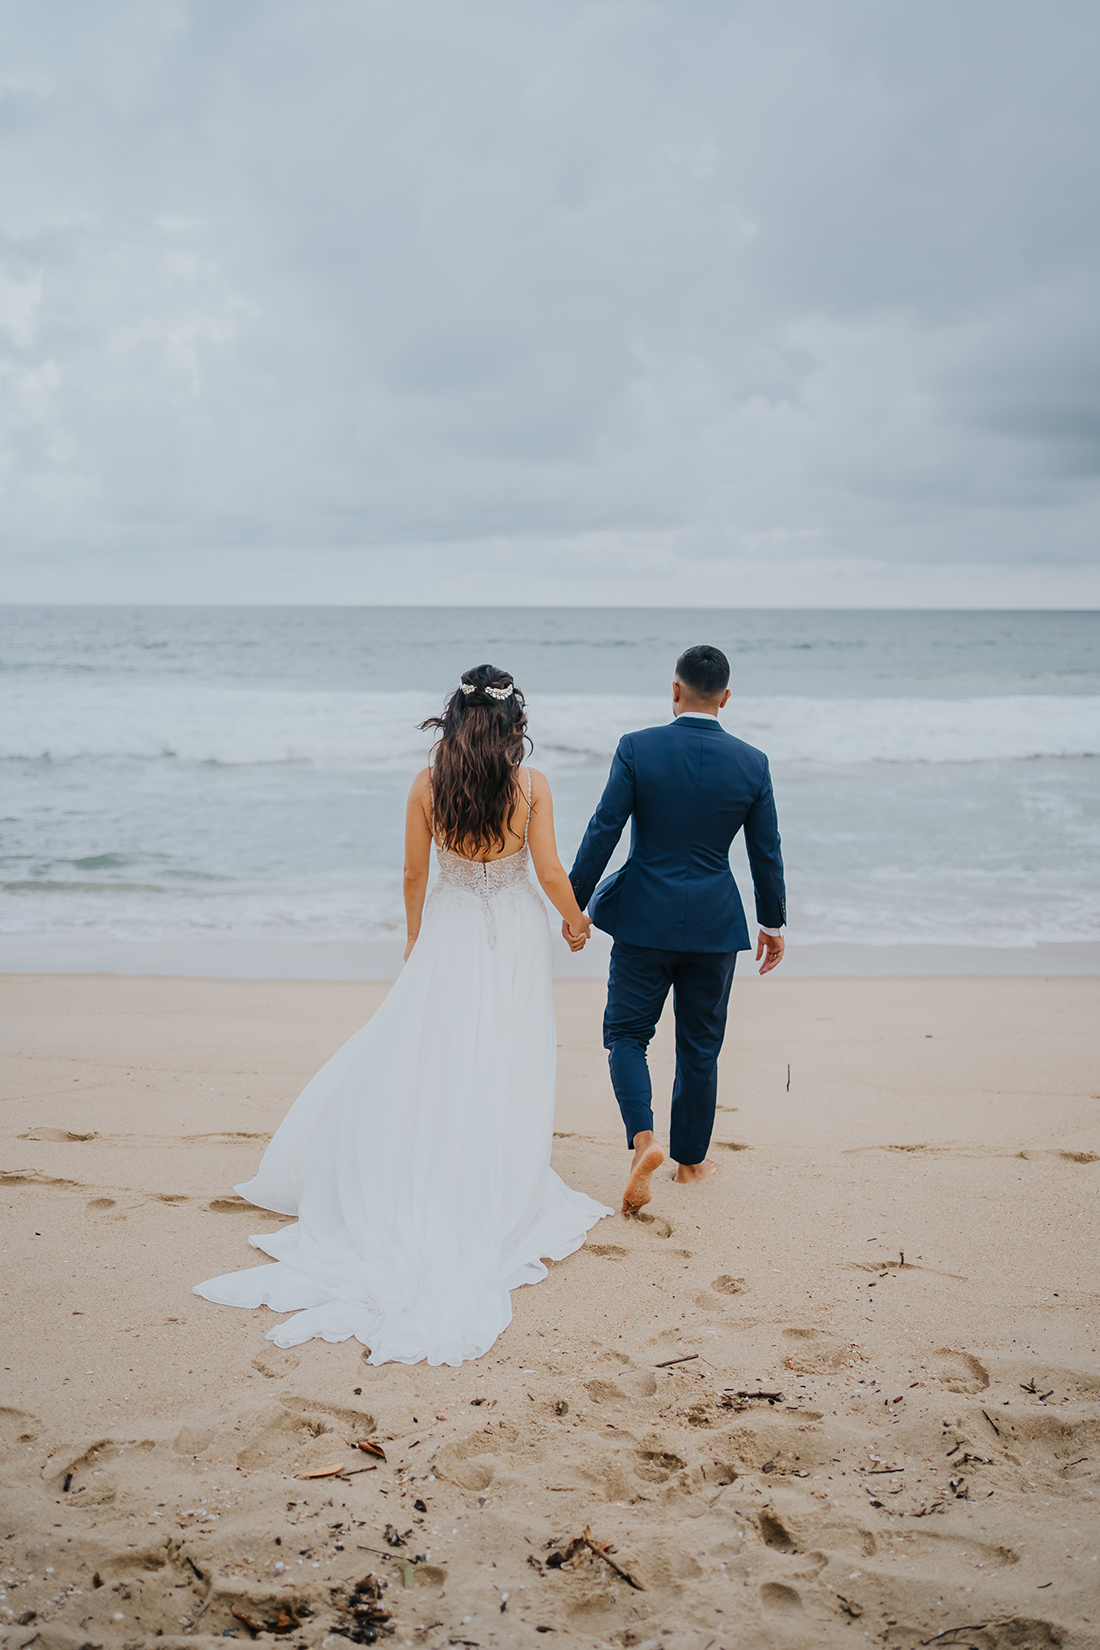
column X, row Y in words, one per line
column 602, row 1550
column 686, row 1359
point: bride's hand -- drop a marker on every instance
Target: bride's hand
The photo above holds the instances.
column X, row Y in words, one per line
column 408, row 947
column 576, row 938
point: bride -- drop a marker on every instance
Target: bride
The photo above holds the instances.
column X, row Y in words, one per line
column 418, row 1159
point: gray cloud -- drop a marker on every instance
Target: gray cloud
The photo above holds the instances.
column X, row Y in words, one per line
column 580, row 292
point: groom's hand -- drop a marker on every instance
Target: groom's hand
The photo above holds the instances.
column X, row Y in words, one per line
column 774, row 946
column 576, row 939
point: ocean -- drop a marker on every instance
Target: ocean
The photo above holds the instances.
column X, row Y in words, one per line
column 179, row 775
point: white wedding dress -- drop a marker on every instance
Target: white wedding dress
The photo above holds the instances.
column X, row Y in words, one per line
column 418, row 1159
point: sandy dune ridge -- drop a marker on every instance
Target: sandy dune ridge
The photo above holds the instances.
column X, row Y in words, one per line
column 899, row 1254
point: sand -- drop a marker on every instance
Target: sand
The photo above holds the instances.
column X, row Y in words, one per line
column 902, row 1244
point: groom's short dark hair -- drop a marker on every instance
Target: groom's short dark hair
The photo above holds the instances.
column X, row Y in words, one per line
column 705, row 670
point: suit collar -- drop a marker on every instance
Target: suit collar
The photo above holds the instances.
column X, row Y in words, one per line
column 705, row 724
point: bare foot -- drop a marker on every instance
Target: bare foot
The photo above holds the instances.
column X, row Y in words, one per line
column 687, row 1173
column 647, row 1160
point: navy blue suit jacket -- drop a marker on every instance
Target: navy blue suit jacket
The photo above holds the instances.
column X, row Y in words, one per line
column 687, row 788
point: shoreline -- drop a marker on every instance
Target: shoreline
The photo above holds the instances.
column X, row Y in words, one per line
column 380, row 958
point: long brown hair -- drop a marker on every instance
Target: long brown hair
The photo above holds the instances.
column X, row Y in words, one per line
column 482, row 732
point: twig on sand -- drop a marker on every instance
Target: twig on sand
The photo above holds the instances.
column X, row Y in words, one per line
column 601, row 1549
column 992, row 1422
column 686, row 1359
column 971, row 1627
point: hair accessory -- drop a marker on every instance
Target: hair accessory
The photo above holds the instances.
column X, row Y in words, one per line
column 493, row 692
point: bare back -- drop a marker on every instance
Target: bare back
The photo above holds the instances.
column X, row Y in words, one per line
column 516, row 828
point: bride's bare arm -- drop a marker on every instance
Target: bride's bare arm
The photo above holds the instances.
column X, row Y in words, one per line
column 544, row 857
column 418, row 852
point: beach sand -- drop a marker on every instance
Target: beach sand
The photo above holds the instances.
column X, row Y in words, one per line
column 901, row 1242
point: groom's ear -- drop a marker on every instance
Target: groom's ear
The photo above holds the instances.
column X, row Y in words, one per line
column 676, row 690
column 724, row 700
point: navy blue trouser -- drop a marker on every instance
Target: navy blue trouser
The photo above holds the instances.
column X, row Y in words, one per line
column 638, row 983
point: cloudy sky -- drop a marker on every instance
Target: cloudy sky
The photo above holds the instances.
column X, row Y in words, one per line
column 765, row 301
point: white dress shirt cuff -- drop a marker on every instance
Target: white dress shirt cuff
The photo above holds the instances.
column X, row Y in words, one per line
column 774, row 932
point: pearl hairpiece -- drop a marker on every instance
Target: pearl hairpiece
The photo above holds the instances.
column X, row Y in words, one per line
column 494, row 693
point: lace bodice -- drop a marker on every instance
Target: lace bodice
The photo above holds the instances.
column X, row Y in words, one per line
column 483, row 877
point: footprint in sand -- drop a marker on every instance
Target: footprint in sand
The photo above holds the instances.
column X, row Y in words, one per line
column 17, row 1427
column 93, row 1460
column 774, row 1532
column 662, row 1228
column 960, row 1371
column 284, row 1435
column 57, row 1136
column 233, row 1206
column 725, row 1285
column 782, row 1600
column 224, row 1137
column 1030, row 1156
column 101, row 1203
column 275, row 1364
column 471, row 1462
column 911, row 1146
column 606, row 1251
column 31, row 1177
column 657, row 1466
column 626, row 1389
column 809, row 1351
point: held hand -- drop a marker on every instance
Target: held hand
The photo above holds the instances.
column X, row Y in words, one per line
column 576, row 938
column 774, row 946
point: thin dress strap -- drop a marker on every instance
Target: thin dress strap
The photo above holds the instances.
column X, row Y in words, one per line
column 527, row 821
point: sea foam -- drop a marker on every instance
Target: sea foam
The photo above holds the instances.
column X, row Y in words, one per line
column 235, row 725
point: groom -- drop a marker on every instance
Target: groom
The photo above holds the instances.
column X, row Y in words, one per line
column 674, row 911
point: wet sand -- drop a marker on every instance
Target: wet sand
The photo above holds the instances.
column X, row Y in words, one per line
column 900, row 1248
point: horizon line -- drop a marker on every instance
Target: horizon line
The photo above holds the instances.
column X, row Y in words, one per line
column 550, row 607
